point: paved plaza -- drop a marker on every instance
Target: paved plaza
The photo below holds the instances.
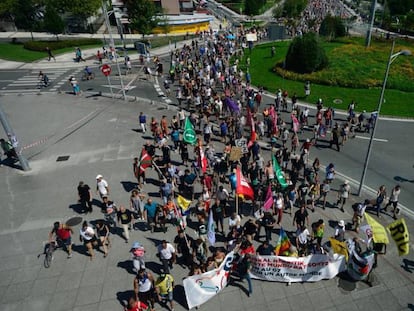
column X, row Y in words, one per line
column 100, row 137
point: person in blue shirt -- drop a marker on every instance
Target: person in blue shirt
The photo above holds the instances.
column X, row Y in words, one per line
column 150, row 209
column 165, row 190
column 175, row 137
column 143, row 121
column 223, row 130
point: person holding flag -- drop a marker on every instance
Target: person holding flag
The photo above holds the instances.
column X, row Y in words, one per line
column 144, row 162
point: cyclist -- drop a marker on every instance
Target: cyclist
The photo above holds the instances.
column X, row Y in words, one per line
column 43, row 79
column 63, row 236
column 88, row 73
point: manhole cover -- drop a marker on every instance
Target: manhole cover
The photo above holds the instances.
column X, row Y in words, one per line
column 62, row 158
column 347, row 285
column 74, row 221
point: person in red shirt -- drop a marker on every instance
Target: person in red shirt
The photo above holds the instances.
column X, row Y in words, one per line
column 63, row 235
column 135, row 305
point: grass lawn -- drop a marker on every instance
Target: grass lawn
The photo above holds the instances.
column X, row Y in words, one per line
column 349, row 64
column 16, row 52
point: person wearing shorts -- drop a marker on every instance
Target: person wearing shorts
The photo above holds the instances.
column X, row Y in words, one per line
column 164, row 287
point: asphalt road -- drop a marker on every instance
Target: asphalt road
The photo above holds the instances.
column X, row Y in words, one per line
column 26, row 81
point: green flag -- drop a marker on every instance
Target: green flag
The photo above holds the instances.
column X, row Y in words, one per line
column 279, row 173
column 189, row 135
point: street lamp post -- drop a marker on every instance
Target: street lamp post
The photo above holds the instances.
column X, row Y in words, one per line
column 391, row 58
column 108, row 26
column 13, row 140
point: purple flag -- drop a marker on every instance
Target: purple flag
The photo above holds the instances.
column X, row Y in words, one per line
column 232, row 105
column 268, row 203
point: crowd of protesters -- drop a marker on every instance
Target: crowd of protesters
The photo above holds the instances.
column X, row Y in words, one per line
column 216, row 96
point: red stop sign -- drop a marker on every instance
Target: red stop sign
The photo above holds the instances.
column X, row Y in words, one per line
column 106, row 70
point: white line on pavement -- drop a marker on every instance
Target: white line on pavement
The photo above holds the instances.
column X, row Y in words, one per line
column 368, row 138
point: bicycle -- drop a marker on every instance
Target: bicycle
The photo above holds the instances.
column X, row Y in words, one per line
column 50, row 248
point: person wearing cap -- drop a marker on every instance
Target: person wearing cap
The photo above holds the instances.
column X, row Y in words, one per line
column 343, row 195
column 167, row 255
column 102, row 187
column 164, row 287
column 137, row 253
column 340, row 231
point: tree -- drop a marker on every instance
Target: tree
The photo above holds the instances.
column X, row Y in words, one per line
column 81, row 8
column 332, row 27
column 25, row 14
column 252, row 7
column 398, row 7
column 52, row 22
column 293, row 8
column 142, row 15
column 305, row 54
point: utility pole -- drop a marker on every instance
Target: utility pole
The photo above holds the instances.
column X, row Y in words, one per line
column 13, row 140
column 371, row 24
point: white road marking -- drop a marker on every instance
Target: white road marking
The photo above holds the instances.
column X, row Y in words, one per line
column 376, row 139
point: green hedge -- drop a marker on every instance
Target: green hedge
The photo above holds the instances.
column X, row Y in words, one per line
column 56, row 45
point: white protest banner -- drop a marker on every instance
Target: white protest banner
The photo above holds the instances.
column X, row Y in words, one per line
column 297, row 269
column 251, row 37
column 200, row 288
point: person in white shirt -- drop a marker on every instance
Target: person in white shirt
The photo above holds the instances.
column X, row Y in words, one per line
column 394, row 200
column 234, row 222
column 102, row 186
column 302, row 239
column 340, row 231
column 88, row 237
column 167, row 255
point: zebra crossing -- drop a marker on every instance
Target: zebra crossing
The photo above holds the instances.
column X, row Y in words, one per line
column 29, row 83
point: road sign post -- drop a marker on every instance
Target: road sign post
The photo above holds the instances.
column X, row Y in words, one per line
column 106, row 70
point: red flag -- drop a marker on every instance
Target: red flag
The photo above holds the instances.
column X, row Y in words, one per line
column 242, row 186
column 268, row 203
column 145, row 161
column 202, row 160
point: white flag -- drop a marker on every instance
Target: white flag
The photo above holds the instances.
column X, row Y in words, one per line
column 201, row 287
column 211, row 234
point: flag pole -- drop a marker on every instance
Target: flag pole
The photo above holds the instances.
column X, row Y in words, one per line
column 237, row 203
column 158, row 169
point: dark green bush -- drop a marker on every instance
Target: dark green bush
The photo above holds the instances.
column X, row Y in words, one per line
column 60, row 44
column 305, row 54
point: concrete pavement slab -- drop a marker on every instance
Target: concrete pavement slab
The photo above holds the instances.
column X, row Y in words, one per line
column 62, row 301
